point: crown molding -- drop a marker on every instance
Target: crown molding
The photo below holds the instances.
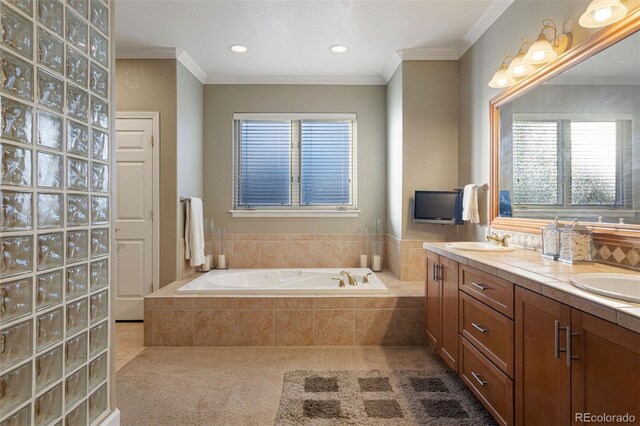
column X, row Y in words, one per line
column 131, row 52
column 391, row 67
column 355, row 81
column 493, row 12
column 427, row 54
column 192, row 66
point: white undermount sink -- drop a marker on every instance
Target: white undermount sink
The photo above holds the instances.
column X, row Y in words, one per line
column 477, row 246
column 619, row 286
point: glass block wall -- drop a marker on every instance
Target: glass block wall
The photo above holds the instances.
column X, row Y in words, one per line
column 54, row 219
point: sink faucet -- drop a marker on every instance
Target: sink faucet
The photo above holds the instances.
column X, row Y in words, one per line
column 499, row 240
column 352, row 280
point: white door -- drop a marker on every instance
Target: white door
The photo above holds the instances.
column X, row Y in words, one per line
column 134, row 216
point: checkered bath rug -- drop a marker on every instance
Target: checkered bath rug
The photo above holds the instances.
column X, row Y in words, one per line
column 376, row 397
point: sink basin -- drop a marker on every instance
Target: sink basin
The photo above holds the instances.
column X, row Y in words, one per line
column 619, row 286
column 477, row 246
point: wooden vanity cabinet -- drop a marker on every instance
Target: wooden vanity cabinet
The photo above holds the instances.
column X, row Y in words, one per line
column 441, row 307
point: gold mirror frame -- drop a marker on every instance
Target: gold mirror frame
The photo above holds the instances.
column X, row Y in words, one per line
column 613, row 233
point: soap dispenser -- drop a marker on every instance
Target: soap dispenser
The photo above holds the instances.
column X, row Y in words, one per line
column 576, row 244
column 551, row 240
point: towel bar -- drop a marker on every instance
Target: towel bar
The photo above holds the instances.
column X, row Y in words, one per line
column 183, row 199
column 483, row 186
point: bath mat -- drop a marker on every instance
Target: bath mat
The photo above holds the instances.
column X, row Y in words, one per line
column 375, row 397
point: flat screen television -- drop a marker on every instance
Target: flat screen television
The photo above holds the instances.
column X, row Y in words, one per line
column 442, row 207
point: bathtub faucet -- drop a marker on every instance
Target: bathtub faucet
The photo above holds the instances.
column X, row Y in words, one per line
column 352, row 280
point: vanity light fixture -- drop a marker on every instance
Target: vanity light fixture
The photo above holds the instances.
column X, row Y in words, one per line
column 545, row 50
column 501, row 78
column 518, row 67
column 339, row 48
column 238, row 48
column 601, row 13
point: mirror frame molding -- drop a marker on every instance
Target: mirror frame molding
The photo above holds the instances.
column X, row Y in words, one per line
column 612, row 233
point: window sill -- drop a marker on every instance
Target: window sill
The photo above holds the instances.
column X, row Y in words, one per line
column 294, row 213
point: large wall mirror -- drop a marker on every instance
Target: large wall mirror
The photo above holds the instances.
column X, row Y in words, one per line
column 566, row 142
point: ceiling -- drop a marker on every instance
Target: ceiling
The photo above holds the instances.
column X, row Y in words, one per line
column 289, row 40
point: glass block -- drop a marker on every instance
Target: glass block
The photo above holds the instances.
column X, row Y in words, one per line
column 49, row 130
column 50, row 250
column 99, row 306
column 98, row 338
column 99, row 112
column 99, row 177
column 17, row 32
column 50, row 14
column 50, row 167
column 16, row 76
column 78, row 417
column 77, row 138
column 16, row 254
column 50, row 91
column 77, row 67
column 99, row 145
column 99, row 242
column 24, row 5
column 97, row 371
column 99, row 210
column 15, row 166
column 77, row 246
column 21, row 417
column 99, row 48
column 16, row 388
column 99, row 274
column 75, row 351
column 77, row 284
column 49, row 328
column 50, row 51
column 77, row 210
column 98, row 403
column 77, row 316
column 100, row 16
column 48, row 406
column 77, row 174
column 50, row 211
column 81, row 6
column 17, row 120
column 16, row 343
column 76, row 31
column 75, row 387
column 48, row 367
column 77, row 103
column 49, row 289
column 15, row 299
column 99, row 81
column 16, row 211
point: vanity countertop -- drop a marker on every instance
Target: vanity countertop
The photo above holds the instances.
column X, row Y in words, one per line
column 528, row 269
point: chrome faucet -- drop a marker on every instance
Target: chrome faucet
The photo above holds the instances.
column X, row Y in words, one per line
column 499, row 240
column 352, row 280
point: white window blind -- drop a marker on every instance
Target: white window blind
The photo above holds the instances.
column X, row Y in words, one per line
column 294, row 162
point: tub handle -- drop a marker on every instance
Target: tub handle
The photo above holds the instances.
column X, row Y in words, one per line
column 340, row 281
column 365, row 279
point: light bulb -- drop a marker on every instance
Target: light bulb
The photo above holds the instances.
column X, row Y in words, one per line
column 538, row 56
column 602, row 14
column 502, row 81
column 519, row 70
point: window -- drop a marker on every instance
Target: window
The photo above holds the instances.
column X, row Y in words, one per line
column 303, row 163
column 571, row 163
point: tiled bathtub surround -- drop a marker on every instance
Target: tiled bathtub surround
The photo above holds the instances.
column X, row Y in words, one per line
column 179, row 320
column 405, row 258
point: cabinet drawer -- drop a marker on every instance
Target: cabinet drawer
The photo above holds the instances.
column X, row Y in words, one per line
column 487, row 288
column 492, row 387
column 489, row 331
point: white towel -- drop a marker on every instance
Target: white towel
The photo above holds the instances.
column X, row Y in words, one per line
column 470, row 204
column 194, row 232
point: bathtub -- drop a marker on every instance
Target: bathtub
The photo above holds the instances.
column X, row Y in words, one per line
column 243, row 282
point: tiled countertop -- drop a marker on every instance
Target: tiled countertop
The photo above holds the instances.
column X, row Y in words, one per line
column 528, row 269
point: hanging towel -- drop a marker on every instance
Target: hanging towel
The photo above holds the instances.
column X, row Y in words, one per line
column 470, row 204
column 194, row 232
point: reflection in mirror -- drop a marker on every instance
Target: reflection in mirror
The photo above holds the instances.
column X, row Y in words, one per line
column 571, row 147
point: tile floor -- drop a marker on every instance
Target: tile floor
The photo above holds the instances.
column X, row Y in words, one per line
column 129, row 342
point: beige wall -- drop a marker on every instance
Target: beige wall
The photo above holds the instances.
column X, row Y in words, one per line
column 394, row 154
column 150, row 85
column 221, row 101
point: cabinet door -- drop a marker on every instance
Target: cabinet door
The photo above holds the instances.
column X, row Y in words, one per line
column 433, row 327
column 448, row 349
column 543, row 380
column 605, row 372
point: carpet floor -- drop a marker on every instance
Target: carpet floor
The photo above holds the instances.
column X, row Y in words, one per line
column 176, row 386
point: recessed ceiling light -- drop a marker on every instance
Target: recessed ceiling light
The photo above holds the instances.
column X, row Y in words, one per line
column 238, row 48
column 338, row 48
